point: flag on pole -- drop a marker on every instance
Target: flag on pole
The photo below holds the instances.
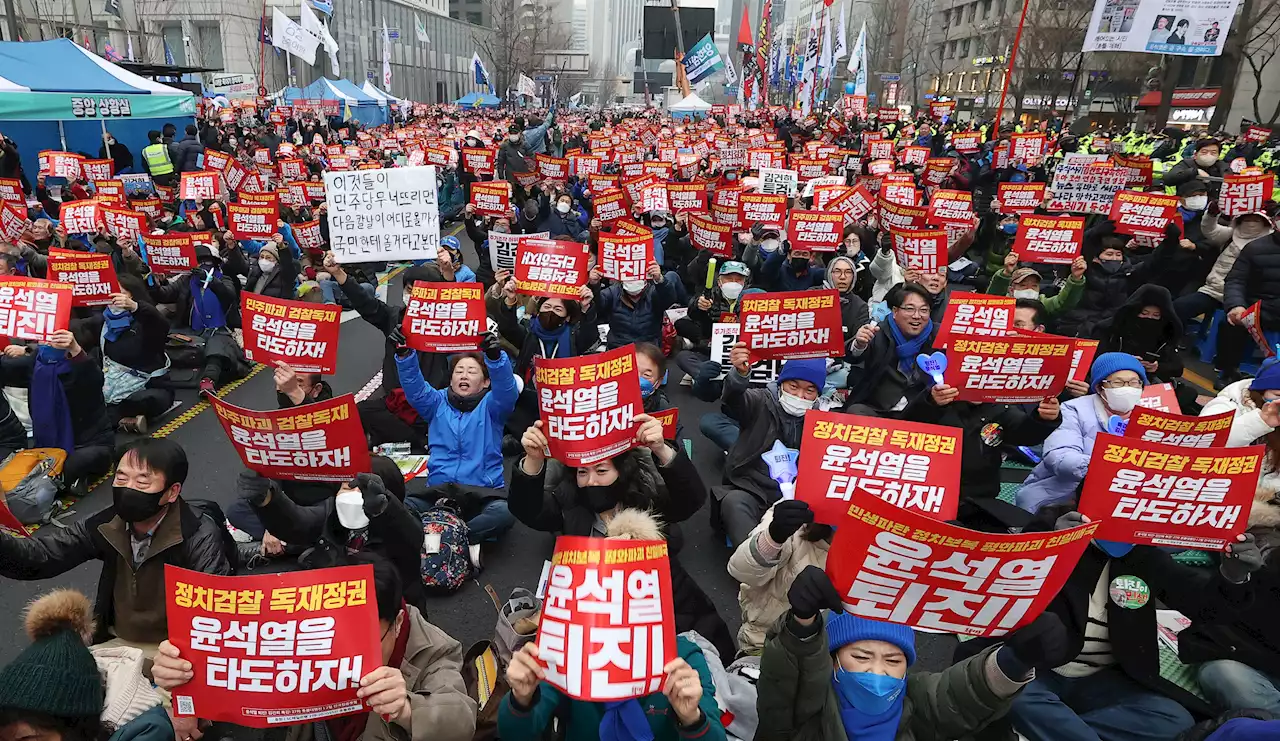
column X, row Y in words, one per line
column 764, row 51
column 746, row 44
column 702, row 60
column 825, row 62
column 776, row 60
column 323, row 7
column 112, row 7
column 421, row 29
column 168, row 53
column 809, row 69
column 130, row 38
column 858, row 63
column 292, row 38
column 109, row 51
column 480, row 73
column 842, row 40
column 730, row 74
column 386, row 57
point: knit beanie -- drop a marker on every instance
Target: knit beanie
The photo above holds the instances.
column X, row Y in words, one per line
column 1110, row 362
column 844, row 629
column 56, row 675
column 1268, row 378
column 269, row 250
column 813, row 370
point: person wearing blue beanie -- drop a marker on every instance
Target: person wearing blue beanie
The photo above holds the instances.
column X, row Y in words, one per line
column 838, row 676
column 1116, row 380
column 813, row 370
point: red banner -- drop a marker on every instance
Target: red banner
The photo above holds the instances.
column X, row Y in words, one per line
column 1143, row 214
column 249, row 221
column 1020, row 198
column 80, row 217
column 967, row 143
column 615, row 595
column 308, row 236
column 492, row 198
column 552, row 168
column 808, row 168
column 198, row 186
column 124, row 224
column 1242, row 194
column 708, row 234
column 1251, row 320
column 1028, row 148
column 940, row 110
column 951, row 207
column 625, row 258
column 273, row 649
column 215, row 160
column 301, row 333
column 479, row 160
column 106, row 191
column 546, row 267
column 1008, row 371
column 896, row 217
column 33, row 309
column 610, row 205
column 908, row 464
column 1082, row 352
column 588, row 405
column 900, row 566
column 292, row 170
column 11, row 190
column 668, row 419
column 322, row 441
column 173, row 253
column 793, row 324
column 1154, row 494
column 63, row 165
column 152, row 207
column 853, row 204
column 815, row 230
column 936, row 171
column 915, row 156
column 766, row 208
column 687, row 197
column 1180, row 431
column 13, row 221
column 582, row 165
column 1049, row 239
column 1140, row 170
column 1257, row 134
column 757, row 158
column 444, row 317
column 920, row 249
column 92, row 275
column 980, row 314
column 880, row 149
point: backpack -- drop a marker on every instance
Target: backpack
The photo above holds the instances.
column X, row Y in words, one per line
column 29, row 483
column 446, row 561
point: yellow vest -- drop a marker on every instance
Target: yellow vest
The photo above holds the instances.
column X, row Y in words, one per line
column 157, row 159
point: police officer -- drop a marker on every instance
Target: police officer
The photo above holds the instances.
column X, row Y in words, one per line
column 156, row 156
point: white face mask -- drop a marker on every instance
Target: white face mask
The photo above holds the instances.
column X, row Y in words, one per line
column 794, row 405
column 1030, row 293
column 350, row 507
column 1197, row 203
column 562, row 207
column 1122, row 399
column 266, row 266
column 731, row 290
column 770, row 245
column 633, row 287
column 1206, row 160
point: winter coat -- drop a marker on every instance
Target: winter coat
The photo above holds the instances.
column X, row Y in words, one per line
column 1256, row 276
column 511, row 160
column 696, row 326
column 433, row 365
column 1147, row 339
column 559, row 225
column 798, row 703
column 465, row 447
column 141, row 346
column 13, row 436
column 779, row 276
column 1104, row 292
column 82, row 384
column 184, row 538
column 763, row 422
column 765, row 580
column 1066, row 454
column 638, row 322
column 1073, row 290
column 226, row 288
column 887, row 273
column 1220, row 236
column 186, row 154
column 1187, row 170
column 1247, row 425
column 1173, row 266
column 878, row 364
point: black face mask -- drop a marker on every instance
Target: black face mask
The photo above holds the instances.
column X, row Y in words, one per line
column 135, row 506
column 799, row 263
column 550, row 320
column 1110, row 267
column 602, row 498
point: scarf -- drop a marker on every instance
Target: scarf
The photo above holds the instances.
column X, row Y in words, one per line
column 467, row 403
column 858, row 725
column 207, row 312
column 659, row 244
column 265, row 278
column 351, row 727
column 50, row 411
column 114, row 325
column 908, row 349
column 555, row 341
column 625, row 721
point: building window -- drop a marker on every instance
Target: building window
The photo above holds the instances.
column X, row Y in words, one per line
column 946, row 19
column 973, row 11
column 940, row 52
column 964, row 47
column 474, row 18
column 986, row 9
column 951, row 49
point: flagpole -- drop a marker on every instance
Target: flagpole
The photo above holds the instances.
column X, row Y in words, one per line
column 262, row 46
column 1008, row 75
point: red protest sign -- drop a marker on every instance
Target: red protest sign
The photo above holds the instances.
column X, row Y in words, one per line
column 292, row 170
column 1028, row 148
column 610, row 205
column 900, row 193
column 653, row 198
column 808, row 168
column 252, row 221
column 1180, row 431
column 880, row 149
column 215, row 160
column 625, row 257
column 1251, row 320
column 198, row 186
column 853, row 204
column 1140, row 170
column 552, row 168
column 792, row 324
column 300, row 333
column 479, row 160
column 1159, row 396
column 173, row 253
column 815, row 230
column 1020, row 198
column 708, row 234
column 757, row 158
column 91, row 274
column 63, row 165
column 322, row 441
column 920, row 249
column 273, row 649
column 1242, row 194
column 439, row 156
column 444, row 317
column 967, row 143
column 581, row 165
column 954, row 207
column 1259, row 134
column 1150, row 493
column 80, row 217
column 908, row 464
column 546, row 267
column 106, row 191
column 940, row 110
column 1008, row 370
column 152, row 207
column 33, row 309
column 823, row 195
column 980, row 314
column 1049, row 239
column 1143, row 214
column 668, row 418
column 124, row 224
column 900, row 566
column 615, row 595
column 1082, row 352
column 916, row 156
column 936, row 171
column 897, row 217
column 492, row 198
column 13, row 221
column 308, row 235
column 767, row 208
column 588, row 405
column 259, row 199
column 11, row 191
column 687, row 197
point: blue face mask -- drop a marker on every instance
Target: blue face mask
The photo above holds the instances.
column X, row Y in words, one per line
column 647, row 387
column 871, row 694
column 1010, row 228
column 1113, row 548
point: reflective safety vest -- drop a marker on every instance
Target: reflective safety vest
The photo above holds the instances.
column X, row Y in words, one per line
column 157, row 159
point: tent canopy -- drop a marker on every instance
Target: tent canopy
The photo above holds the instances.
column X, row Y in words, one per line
column 383, row 98
column 364, row 107
column 691, row 104
column 479, row 100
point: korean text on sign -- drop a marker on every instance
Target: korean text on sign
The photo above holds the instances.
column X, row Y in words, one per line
column 175, row 252
column 608, row 625
column 383, row 214
column 1242, row 194
column 1159, row 426
column 975, row 314
column 1020, row 198
column 815, row 230
column 625, row 258
column 91, row 273
column 33, row 309
column 444, row 317
column 794, row 324
column 1049, row 239
column 1008, row 370
column 900, row 566
column 492, row 198
column 724, row 335
column 323, row 441
column 546, row 267
column 300, row 333
column 911, row 465
column 504, row 247
column 252, row 221
column 1156, row 494
column 274, row 649
column 1143, row 214
column 588, row 404
column 920, row 249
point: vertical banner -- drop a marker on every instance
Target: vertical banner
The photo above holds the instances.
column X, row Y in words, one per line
column 92, row 275
column 911, row 465
column 33, row 309
column 1180, row 431
column 608, row 623
column 273, row 649
column 546, row 267
column 300, row 333
column 1082, row 352
column 793, row 324
column 322, row 441
column 1049, row 239
column 625, row 258
column 444, row 317
column 1151, row 493
column 588, row 405
column 1008, row 371
column 377, row 215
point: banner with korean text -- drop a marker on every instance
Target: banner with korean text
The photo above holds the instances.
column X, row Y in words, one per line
column 444, row 317
column 492, row 198
column 175, row 252
column 252, row 221
column 815, row 230
column 724, row 335
column 977, row 314
column 588, row 404
column 383, row 214
column 300, row 333
column 1049, row 239
column 793, row 324
column 1143, row 214
column 708, row 234
column 91, row 273
column 1181, row 431
column 1242, row 194
column 547, row 267
column 503, row 248
column 952, row 207
column 33, row 309
column 625, row 258
column 920, row 249
column 1009, row 370
column 1020, row 198
column 322, row 441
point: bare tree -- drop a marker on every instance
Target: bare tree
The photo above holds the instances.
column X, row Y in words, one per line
column 920, row 59
column 1052, row 39
column 1261, row 47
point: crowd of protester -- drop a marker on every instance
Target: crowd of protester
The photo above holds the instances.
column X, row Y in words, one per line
column 1085, row 669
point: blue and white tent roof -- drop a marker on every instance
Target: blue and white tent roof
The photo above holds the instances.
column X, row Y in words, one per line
column 62, row 66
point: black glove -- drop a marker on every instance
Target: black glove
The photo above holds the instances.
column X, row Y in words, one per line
column 1043, row 643
column 489, row 343
column 375, row 493
column 253, row 487
column 788, row 516
column 1241, row 559
column 811, row 592
column 1171, row 231
column 401, row 344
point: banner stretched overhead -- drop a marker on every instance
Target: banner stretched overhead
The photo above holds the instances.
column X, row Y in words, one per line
column 1160, row 26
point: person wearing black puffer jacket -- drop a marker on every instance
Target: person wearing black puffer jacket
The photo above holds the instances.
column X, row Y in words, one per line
column 186, row 153
column 1254, row 277
column 1108, row 280
column 1147, row 328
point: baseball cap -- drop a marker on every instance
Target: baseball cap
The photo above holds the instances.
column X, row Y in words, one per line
column 734, row 267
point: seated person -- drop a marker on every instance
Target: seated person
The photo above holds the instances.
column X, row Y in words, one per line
column 1025, row 283
column 1117, row 380
column 208, row 303
column 708, row 308
column 634, row 309
column 1147, row 328
column 417, row 695
column 148, row 520
column 134, row 364
column 652, row 366
column 885, row 376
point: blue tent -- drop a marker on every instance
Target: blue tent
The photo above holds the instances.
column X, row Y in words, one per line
column 364, row 108
column 58, row 95
column 479, row 100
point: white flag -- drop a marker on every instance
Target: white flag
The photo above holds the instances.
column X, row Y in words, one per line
column 287, row 35
column 526, row 86
column 130, row 47
column 386, row 57
column 827, row 62
column 730, row 74
column 808, row 73
column 842, row 43
column 421, row 29
column 858, row 62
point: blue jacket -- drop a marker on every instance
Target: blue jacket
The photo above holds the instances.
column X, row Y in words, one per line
column 465, row 447
column 777, row 273
column 535, row 137
column 641, row 323
column 1066, row 455
column 559, row 225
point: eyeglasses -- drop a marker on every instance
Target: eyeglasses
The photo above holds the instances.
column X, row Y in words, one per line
column 1134, row 384
column 913, row 311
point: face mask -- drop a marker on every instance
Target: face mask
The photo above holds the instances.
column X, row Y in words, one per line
column 513, row 138
column 633, row 287
column 266, row 266
column 794, row 405
column 1197, row 203
column 562, row 207
column 731, row 176
column 871, row 694
column 1110, row 267
column 799, row 263
column 646, row 387
column 472, row 143
column 350, row 507
column 1206, row 160
column 658, row 223
column 1009, row 228
column 1114, row 549
column 731, row 290
column 1122, row 399
column 550, row 320
column 133, row 505
column 1030, row 293
column 770, row 245
column 601, row 498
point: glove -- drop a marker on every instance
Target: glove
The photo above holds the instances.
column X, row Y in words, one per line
column 1043, row 643
column 396, row 335
column 812, row 591
column 489, row 343
column 253, row 487
column 1241, row 559
column 374, row 491
column 1171, row 231
column 1068, row 521
column 788, row 516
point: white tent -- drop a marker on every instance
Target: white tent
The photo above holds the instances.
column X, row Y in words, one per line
column 381, row 97
column 691, row 104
